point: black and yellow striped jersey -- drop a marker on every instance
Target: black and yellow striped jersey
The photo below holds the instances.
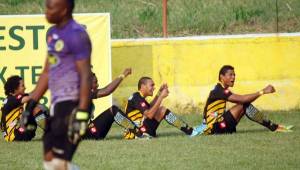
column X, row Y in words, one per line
column 135, row 107
column 215, row 106
column 11, row 113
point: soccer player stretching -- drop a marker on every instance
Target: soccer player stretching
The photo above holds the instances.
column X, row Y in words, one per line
column 67, row 73
column 220, row 121
column 12, row 109
column 100, row 126
column 149, row 115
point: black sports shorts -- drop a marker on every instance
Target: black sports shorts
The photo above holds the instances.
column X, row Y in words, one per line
column 24, row 136
column 151, row 126
column 228, row 125
column 99, row 127
column 55, row 138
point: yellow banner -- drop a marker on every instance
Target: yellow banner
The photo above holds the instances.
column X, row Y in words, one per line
column 23, row 50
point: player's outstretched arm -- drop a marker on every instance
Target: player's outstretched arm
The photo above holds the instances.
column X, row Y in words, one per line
column 153, row 109
column 42, row 84
column 35, row 96
column 248, row 98
column 111, row 87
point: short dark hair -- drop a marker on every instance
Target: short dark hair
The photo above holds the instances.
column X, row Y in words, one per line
column 224, row 69
column 143, row 81
column 12, row 84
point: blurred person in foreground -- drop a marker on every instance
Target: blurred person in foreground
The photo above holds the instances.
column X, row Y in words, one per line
column 67, row 74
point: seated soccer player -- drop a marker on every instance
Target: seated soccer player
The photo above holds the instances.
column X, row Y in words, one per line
column 100, row 126
column 220, row 121
column 12, row 109
column 149, row 115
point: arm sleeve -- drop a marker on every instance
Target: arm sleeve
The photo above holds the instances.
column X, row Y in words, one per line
column 221, row 93
column 80, row 45
column 139, row 104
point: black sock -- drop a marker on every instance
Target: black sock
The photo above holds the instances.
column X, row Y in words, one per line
column 270, row 125
column 173, row 120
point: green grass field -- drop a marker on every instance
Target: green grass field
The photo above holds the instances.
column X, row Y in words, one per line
column 142, row 18
column 253, row 147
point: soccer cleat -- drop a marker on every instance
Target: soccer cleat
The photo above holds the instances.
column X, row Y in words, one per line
column 198, row 130
column 284, row 128
column 144, row 136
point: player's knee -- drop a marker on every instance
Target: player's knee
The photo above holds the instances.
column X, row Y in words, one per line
column 41, row 110
column 162, row 110
column 114, row 109
column 245, row 106
column 237, row 108
column 48, row 156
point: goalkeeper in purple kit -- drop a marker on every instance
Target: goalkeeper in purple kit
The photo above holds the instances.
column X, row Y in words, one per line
column 67, row 74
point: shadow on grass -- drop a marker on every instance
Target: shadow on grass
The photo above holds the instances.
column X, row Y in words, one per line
column 176, row 134
column 168, row 134
column 37, row 139
column 159, row 135
column 253, row 131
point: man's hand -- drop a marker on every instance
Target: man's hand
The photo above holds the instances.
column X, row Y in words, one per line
column 269, row 89
column 163, row 86
column 127, row 72
column 164, row 93
column 77, row 125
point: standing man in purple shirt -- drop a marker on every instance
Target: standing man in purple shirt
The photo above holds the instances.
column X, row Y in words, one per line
column 67, row 74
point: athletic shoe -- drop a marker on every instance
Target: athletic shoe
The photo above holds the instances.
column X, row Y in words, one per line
column 144, row 136
column 284, row 128
column 198, row 130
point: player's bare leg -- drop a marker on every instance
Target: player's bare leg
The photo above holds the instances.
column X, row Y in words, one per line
column 237, row 111
column 52, row 163
column 160, row 114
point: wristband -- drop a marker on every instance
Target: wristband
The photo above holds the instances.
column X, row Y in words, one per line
column 261, row 92
column 122, row 76
column 82, row 115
